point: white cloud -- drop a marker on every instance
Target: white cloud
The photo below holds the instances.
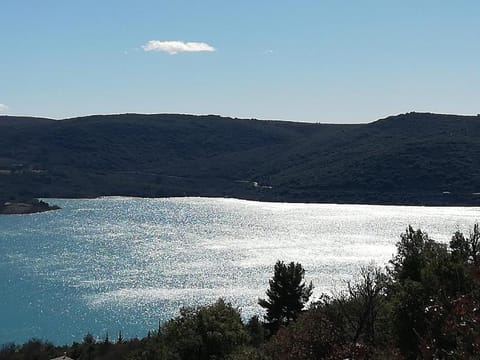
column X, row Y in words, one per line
column 175, row 47
column 3, row 108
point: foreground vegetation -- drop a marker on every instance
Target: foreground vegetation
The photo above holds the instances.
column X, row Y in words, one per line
column 424, row 305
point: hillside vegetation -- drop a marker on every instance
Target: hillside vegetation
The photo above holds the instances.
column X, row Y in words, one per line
column 415, row 158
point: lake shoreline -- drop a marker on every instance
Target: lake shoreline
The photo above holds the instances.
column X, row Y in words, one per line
column 34, row 206
column 275, row 200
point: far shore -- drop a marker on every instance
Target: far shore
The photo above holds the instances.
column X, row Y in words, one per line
column 287, row 200
column 32, row 206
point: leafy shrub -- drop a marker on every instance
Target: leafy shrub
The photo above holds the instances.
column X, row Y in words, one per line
column 210, row 332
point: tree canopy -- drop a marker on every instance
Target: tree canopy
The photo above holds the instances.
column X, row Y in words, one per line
column 287, row 295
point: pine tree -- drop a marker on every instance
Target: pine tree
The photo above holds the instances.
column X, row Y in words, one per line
column 287, row 295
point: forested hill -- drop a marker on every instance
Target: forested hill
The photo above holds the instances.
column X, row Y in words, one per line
column 415, row 158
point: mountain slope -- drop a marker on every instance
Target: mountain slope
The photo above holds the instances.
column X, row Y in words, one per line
column 414, row 158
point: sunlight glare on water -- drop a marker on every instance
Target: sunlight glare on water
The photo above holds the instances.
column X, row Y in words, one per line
column 113, row 264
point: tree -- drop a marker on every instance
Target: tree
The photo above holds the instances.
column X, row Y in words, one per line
column 287, row 295
column 467, row 249
column 204, row 333
column 415, row 282
column 427, row 278
column 361, row 304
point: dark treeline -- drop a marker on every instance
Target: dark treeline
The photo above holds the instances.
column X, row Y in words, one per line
column 424, row 305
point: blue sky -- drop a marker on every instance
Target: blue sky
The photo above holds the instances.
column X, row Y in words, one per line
column 317, row 61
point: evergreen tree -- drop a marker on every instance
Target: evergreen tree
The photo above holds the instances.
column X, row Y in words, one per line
column 287, row 295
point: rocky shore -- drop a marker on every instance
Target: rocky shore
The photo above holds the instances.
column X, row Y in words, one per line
column 25, row 207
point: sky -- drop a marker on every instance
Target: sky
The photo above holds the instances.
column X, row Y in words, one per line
column 335, row 61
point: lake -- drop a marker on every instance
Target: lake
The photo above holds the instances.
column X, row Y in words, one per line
column 110, row 264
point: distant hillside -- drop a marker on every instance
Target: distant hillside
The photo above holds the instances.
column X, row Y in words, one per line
column 414, row 158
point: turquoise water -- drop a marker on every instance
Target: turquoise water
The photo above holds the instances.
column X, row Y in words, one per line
column 110, row 264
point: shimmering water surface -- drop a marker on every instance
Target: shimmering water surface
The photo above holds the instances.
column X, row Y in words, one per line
column 110, row 264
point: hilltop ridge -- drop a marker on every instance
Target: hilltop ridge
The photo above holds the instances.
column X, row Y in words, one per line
column 414, row 158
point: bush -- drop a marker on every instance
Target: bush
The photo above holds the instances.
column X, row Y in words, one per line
column 311, row 337
column 210, row 332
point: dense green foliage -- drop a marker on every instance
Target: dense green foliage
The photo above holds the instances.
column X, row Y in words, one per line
column 205, row 333
column 428, row 279
column 287, row 295
column 425, row 305
column 413, row 158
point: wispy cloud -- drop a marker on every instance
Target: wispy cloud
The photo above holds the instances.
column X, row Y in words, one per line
column 3, row 108
column 175, row 47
